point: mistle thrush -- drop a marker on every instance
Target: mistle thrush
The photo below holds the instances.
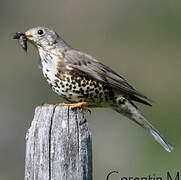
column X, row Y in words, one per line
column 84, row 81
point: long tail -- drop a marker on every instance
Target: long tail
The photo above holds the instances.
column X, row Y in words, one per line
column 128, row 109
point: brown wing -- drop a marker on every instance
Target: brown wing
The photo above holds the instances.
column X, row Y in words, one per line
column 84, row 64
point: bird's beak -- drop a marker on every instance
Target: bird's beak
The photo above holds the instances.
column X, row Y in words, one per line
column 28, row 36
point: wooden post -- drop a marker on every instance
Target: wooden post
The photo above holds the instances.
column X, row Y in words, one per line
column 58, row 145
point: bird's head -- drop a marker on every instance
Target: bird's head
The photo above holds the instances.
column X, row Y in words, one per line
column 42, row 37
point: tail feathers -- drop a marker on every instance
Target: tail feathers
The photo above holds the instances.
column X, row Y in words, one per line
column 129, row 110
column 160, row 139
column 154, row 132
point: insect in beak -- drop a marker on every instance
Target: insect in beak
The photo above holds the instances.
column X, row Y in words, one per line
column 22, row 38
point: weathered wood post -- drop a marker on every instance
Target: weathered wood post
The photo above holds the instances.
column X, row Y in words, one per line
column 58, row 145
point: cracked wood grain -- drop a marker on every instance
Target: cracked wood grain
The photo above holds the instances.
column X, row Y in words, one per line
column 58, row 145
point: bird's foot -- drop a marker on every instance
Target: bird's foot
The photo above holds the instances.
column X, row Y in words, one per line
column 73, row 106
column 76, row 105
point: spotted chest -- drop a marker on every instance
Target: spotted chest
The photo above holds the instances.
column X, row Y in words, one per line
column 73, row 86
column 80, row 88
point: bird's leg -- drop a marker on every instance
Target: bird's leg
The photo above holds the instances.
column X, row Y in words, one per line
column 81, row 104
column 76, row 105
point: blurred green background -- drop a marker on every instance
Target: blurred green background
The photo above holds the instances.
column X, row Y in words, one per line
column 140, row 39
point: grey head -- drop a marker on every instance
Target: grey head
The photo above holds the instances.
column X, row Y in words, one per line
column 45, row 38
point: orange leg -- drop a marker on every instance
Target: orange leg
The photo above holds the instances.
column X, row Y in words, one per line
column 76, row 105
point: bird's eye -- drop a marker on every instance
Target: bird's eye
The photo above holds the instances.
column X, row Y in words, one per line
column 40, row 32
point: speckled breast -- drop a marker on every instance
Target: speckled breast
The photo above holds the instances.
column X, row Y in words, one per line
column 73, row 86
column 78, row 88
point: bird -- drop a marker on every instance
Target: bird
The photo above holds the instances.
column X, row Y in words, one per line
column 85, row 82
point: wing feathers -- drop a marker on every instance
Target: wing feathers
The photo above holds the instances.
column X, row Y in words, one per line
column 83, row 63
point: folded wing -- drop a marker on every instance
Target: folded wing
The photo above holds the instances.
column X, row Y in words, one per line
column 85, row 64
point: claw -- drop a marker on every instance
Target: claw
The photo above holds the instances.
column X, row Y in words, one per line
column 86, row 110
